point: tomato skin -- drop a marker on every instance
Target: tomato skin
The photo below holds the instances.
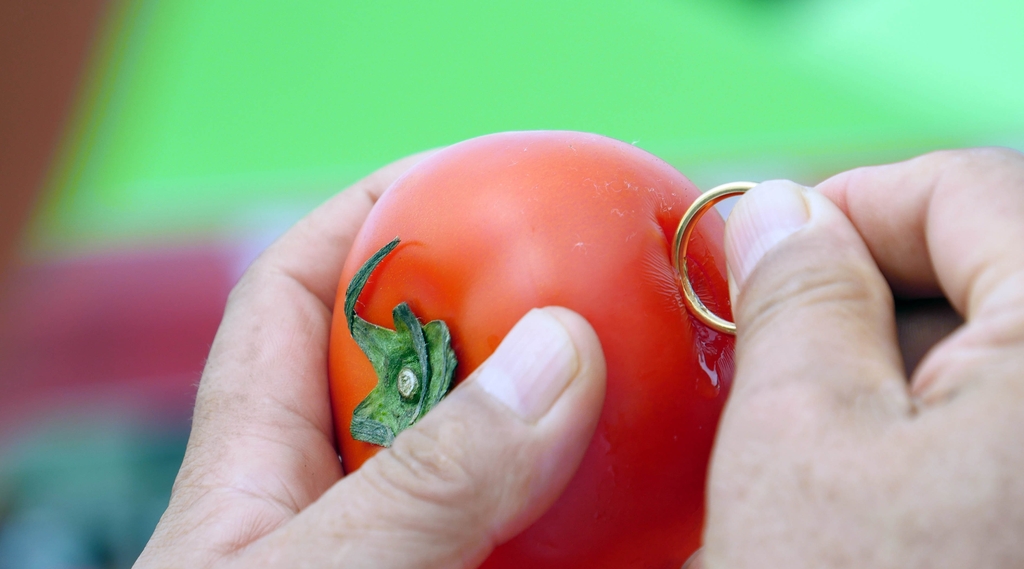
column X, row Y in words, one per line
column 500, row 224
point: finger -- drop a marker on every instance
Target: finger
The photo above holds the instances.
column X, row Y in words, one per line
column 262, row 443
column 482, row 466
column 818, row 373
column 950, row 221
column 814, row 315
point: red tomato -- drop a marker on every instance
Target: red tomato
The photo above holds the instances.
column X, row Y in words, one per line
column 500, row 224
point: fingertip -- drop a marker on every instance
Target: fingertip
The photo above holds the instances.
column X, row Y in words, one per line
column 548, row 350
column 763, row 217
column 836, row 187
column 585, row 340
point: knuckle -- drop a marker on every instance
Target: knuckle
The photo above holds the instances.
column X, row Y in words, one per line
column 428, row 465
column 975, row 163
column 994, row 156
column 814, row 288
column 814, row 278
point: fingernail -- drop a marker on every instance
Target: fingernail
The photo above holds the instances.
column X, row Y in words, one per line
column 531, row 366
column 762, row 218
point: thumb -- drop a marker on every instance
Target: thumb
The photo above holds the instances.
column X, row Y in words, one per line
column 818, row 371
column 477, row 470
column 813, row 311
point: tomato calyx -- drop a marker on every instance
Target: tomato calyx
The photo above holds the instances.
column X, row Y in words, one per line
column 414, row 363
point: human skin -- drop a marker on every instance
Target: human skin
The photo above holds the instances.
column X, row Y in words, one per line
column 828, row 455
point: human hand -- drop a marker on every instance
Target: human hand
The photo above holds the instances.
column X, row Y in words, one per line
column 827, row 455
column 261, row 484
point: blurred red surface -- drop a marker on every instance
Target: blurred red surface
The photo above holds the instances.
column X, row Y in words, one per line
column 116, row 333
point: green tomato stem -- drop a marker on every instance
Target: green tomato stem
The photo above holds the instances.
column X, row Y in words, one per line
column 414, row 363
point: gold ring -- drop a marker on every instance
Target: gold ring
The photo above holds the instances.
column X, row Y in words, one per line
column 686, row 226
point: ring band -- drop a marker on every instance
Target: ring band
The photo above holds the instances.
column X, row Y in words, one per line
column 686, row 226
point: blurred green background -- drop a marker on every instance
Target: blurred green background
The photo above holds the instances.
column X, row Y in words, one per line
column 206, row 117
column 206, row 127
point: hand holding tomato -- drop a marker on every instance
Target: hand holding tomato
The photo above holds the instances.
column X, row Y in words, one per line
column 474, row 237
column 261, row 484
column 828, row 455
